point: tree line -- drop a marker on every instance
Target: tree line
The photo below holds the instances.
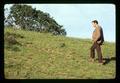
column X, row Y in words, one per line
column 29, row 18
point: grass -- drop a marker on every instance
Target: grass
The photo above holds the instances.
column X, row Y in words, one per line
column 41, row 56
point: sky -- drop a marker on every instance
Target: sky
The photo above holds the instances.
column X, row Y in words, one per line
column 76, row 18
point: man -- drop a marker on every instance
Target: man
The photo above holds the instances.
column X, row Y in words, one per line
column 98, row 40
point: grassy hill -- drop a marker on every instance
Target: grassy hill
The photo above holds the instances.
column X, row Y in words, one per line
column 44, row 56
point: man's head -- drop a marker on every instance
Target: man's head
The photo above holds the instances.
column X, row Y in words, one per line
column 94, row 23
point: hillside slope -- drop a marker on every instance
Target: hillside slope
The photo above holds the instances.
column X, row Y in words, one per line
column 42, row 55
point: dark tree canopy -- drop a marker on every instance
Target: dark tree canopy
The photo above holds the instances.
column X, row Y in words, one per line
column 29, row 18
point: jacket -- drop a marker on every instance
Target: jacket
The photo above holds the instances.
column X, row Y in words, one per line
column 98, row 35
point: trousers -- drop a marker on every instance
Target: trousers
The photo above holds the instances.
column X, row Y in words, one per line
column 98, row 49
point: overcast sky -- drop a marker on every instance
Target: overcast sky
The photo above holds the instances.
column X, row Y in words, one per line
column 76, row 18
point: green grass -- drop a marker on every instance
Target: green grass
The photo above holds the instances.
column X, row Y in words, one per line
column 40, row 56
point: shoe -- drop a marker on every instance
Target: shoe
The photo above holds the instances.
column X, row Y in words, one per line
column 101, row 63
column 92, row 60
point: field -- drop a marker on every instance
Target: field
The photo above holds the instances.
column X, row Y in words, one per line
column 45, row 56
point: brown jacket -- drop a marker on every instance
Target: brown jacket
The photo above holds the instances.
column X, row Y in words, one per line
column 98, row 35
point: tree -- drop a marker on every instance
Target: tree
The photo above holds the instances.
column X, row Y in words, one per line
column 29, row 18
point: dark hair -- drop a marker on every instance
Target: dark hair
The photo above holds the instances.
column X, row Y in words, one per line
column 95, row 21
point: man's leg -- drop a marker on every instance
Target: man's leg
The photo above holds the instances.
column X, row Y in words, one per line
column 99, row 53
column 92, row 51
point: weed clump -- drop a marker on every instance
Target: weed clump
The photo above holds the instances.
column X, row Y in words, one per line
column 14, row 34
column 11, row 41
column 62, row 44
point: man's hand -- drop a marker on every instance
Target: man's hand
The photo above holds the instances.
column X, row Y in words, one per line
column 99, row 42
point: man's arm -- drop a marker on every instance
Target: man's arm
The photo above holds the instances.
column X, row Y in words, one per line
column 97, row 34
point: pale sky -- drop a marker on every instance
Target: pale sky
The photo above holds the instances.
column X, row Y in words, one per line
column 76, row 18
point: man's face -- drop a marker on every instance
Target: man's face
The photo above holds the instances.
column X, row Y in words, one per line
column 93, row 24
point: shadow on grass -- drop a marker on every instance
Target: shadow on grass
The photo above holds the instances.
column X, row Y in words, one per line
column 107, row 60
